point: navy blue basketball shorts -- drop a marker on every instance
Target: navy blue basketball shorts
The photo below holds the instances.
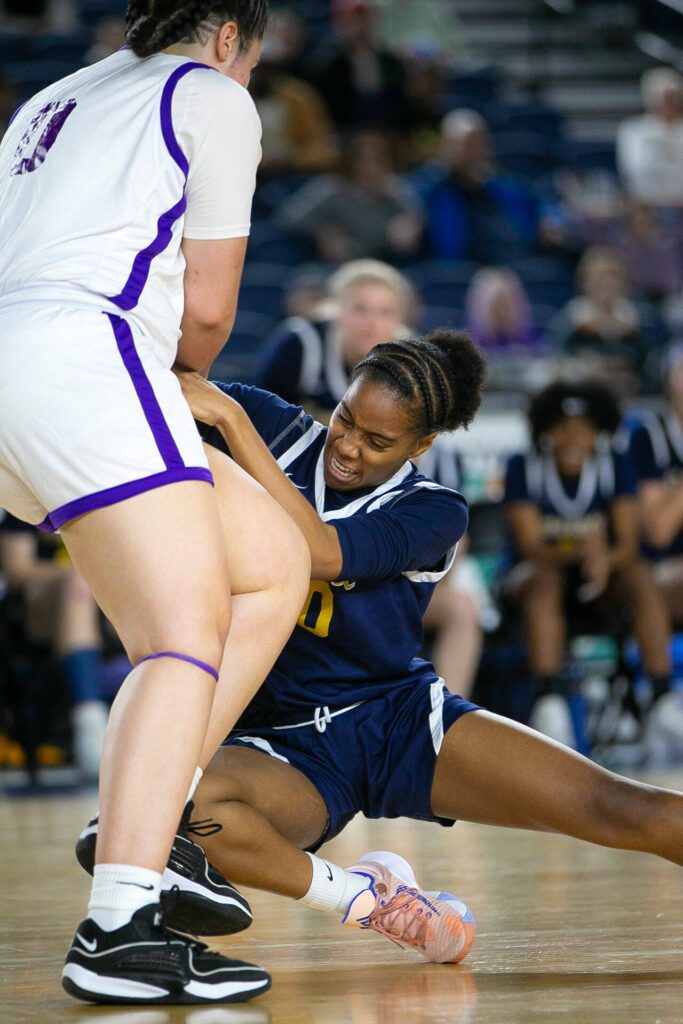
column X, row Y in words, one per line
column 377, row 757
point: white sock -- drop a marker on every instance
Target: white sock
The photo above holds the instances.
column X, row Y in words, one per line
column 332, row 888
column 196, row 779
column 118, row 890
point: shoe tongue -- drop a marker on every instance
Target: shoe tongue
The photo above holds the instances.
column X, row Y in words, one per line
column 149, row 914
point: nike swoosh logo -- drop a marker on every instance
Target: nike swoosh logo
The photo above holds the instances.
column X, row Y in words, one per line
column 138, row 885
column 329, row 872
column 90, row 946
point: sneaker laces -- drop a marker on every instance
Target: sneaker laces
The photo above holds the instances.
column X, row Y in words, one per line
column 398, row 921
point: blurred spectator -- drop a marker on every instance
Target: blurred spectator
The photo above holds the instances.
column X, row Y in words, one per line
column 455, row 611
column 308, row 362
column 61, row 614
column 498, row 311
column 650, row 146
column 108, row 38
column 421, row 29
column 656, row 447
column 288, row 42
column 366, row 211
column 8, row 103
column 475, row 213
column 649, row 244
column 42, row 15
column 297, row 131
column 603, row 319
column 362, row 83
column 572, row 513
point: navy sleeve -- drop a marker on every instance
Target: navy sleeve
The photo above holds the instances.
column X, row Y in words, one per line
column 279, row 369
column 516, row 488
column 413, row 533
column 279, row 424
column 643, row 455
column 625, row 479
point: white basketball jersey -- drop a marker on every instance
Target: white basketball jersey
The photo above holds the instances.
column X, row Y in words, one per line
column 104, row 172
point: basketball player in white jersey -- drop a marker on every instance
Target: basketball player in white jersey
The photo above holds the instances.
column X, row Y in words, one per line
column 125, row 196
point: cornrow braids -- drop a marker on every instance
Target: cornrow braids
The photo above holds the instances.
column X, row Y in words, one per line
column 440, row 376
column 152, row 25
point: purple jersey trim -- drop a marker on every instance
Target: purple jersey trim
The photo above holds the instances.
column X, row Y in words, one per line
column 112, row 495
column 182, row 657
column 129, row 297
column 148, row 400
column 16, row 112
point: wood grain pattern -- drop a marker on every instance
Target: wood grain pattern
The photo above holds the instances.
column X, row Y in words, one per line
column 566, row 932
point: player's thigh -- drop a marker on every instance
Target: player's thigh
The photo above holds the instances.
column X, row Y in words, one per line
column 156, row 565
column 263, row 544
column 278, row 791
column 497, row 772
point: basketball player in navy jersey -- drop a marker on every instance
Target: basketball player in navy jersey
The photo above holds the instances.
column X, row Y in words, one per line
column 571, row 508
column 351, row 719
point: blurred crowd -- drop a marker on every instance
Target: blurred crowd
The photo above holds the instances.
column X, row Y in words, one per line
column 402, row 189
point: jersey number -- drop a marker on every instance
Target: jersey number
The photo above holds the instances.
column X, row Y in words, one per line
column 318, row 607
column 41, row 135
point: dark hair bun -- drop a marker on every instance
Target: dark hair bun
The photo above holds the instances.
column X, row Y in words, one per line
column 467, row 374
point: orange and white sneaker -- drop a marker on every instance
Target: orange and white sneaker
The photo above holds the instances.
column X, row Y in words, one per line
column 437, row 925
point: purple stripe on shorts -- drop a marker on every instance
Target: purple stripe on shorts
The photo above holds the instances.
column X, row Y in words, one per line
column 182, row 657
column 145, row 392
column 112, row 495
column 129, row 297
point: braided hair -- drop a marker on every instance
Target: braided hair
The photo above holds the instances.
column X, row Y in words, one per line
column 439, row 376
column 152, row 25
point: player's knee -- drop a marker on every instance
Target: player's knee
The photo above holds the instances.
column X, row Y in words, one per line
column 203, row 642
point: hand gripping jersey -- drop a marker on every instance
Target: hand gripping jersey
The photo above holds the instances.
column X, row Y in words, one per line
column 101, row 175
column 656, row 448
column 570, row 508
column 360, row 635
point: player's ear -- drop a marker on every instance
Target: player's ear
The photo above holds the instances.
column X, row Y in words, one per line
column 227, row 42
column 423, row 445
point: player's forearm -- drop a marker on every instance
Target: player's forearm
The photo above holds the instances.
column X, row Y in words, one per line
column 249, row 451
column 200, row 343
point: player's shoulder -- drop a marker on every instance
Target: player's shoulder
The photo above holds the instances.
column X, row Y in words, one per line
column 223, row 96
column 417, row 487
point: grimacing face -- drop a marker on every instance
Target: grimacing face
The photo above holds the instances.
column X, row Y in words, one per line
column 371, row 435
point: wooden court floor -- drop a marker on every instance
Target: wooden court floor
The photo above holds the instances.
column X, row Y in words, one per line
column 566, row 932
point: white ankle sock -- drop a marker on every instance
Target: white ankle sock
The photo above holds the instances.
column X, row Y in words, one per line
column 118, row 890
column 197, row 778
column 332, row 888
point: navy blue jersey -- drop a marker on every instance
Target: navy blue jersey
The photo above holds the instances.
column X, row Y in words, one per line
column 303, row 362
column 656, row 449
column 571, row 508
column 361, row 634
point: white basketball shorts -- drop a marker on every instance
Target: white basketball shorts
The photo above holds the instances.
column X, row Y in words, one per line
column 89, row 415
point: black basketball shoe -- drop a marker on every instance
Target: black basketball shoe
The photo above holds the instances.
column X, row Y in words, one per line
column 205, row 903
column 143, row 962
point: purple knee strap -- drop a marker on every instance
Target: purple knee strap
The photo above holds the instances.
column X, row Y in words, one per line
column 182, row 657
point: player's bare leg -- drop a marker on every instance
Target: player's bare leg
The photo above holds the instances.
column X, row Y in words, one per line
column 156, row 564
column 254, row 817
column 495, row 771
column 270, row 576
